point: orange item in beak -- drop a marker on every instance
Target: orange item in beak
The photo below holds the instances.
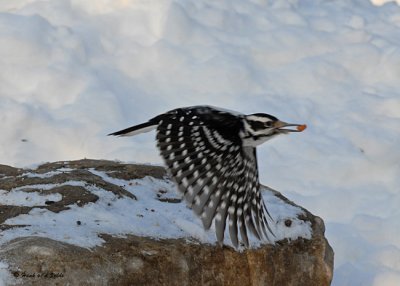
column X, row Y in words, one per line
column 301, row 127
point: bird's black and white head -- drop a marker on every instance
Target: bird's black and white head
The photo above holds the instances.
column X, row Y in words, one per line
column 260, row 127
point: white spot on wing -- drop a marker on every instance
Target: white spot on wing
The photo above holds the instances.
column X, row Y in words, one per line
column 223, row 205
column 234, row 197
column 190, row 190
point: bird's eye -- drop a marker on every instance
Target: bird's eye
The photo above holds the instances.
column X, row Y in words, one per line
column 268, row 124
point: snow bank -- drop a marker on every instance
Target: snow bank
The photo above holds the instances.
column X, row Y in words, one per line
column 74, row 71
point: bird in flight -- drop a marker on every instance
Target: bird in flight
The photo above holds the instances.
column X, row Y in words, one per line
column 211, row 155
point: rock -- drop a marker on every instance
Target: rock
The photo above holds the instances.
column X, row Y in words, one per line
column 129, row 259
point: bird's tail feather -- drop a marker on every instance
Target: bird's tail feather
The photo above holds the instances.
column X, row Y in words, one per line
column 137, row 129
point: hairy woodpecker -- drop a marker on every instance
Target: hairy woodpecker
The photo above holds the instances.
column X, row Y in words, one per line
column 211, row 155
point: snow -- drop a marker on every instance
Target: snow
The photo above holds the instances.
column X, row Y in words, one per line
column 382, row 2
column 46, row 175
column 5, row 275
column 74, row 71
column 18, row 198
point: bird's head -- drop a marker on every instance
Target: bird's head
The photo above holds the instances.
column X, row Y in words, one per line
column 260, row 127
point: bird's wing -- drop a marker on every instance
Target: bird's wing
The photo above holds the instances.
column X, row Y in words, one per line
column 218, row 177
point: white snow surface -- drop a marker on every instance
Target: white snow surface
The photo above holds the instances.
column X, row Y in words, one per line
column 21, row 198
column 5, row 276
column 75, row 70
column 382, row 2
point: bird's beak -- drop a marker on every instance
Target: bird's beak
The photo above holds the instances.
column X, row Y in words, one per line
column 281, row 127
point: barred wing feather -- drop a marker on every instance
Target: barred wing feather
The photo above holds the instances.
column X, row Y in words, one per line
column 217, row 176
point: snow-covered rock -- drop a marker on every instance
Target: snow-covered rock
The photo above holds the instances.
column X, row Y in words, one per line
column 108, row 223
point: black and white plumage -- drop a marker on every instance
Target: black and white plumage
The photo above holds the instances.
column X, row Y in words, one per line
column 211, row 155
